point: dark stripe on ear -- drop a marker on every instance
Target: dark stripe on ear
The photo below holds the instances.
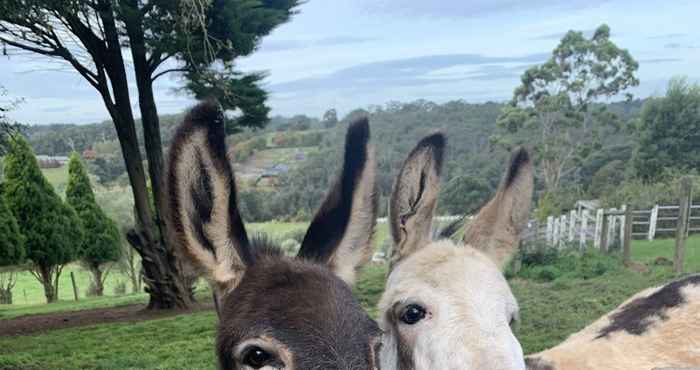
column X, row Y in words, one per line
column 208, row 116
column 517, row 161
column 435, row 142
column 203, row 203
column 332, row 219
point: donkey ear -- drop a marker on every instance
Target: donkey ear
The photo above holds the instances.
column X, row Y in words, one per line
column 203, row 214
column 496, row 228
column 341, row 233
column 414, row 197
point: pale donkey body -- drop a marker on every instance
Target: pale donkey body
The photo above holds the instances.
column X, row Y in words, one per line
column 276, row 312
column 448, row 305
column 656, row 328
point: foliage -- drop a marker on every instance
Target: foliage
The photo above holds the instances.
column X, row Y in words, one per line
column 669, row 131
column 102, row 241
column 7, row 126
column 642, row 194
column 607, row 178
column 11, row 239
column 557, row 202
column 555, row 107
column 464, row 190
column 51, row 227
column 107, row 169
column 330, row 118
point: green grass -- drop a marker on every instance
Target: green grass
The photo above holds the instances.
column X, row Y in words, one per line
column 58, row 177
column 647, row 251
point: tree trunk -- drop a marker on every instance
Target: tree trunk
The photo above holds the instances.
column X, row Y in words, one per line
column 97, row 280
column 5, row 296
column 163, row 280
column 45, row 275
column 163, row 276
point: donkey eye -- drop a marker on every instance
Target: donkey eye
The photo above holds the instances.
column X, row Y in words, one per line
column 412, row 313
column 257, row 357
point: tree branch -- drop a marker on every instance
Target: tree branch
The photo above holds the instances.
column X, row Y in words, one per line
column 159, row 74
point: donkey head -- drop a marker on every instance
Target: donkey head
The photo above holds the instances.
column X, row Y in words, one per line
column 447, row 306
column 276, row 312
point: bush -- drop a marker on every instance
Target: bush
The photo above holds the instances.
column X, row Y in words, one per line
column 547, row 264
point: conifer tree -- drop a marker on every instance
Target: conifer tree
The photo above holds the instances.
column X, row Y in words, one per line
column 101, row 243
column 52, row 229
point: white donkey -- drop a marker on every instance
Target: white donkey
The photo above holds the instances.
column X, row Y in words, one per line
column 656, row 328
column 448, row 306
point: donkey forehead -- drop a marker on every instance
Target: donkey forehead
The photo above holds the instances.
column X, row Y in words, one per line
column 445, row 269
column 292, row 295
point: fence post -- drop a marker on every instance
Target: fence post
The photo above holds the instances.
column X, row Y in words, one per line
column 652, row 222
column 600, row 215
column 584, row 228
column 555, row 233
column 572, row 225
column 683, row 223
column 75, row 287
column 604, row 234
column 627, row 236
column 612, row 224
column 550, row 229
column 623, row 223
column 562, row 230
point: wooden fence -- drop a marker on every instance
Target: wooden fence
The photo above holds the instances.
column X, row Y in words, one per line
column 606, row 227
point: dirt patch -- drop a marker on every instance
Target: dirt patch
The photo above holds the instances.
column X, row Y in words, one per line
column 32, row 324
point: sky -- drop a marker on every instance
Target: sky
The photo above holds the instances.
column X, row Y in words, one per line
column 348, row 54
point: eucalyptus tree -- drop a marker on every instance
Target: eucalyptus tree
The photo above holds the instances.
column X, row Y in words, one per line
column 556, row 108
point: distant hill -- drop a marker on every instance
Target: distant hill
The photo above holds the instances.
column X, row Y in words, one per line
column 298, row 156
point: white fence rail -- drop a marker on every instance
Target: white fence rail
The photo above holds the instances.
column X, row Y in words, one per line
column 587, row 226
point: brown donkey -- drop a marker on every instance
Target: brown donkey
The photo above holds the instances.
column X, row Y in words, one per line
column 447, row 305
column 276, row 312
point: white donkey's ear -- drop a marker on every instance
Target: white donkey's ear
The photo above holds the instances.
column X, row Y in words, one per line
column 341, row 233
column 496, row 228
column 414, row 197
column 202, row 212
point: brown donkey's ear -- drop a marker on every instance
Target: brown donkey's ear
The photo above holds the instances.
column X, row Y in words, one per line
column 496, row 228
column 342, row 230
column 414, row 197
column 203, row 214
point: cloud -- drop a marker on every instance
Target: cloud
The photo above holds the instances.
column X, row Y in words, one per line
column 286, row 45
column 666, row 36
column 659, row 60
column 473, row 8
column 416, row 71
column 677, row 45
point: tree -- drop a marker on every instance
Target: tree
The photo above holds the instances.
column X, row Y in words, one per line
column 198, row 39
column 8, row 127
column 330, row 118
column 101, row 244
column 669, row 131
column 11, row 250
column 555, row 107
column 52, row 229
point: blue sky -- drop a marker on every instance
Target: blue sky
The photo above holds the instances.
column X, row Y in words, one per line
column 354, row 53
